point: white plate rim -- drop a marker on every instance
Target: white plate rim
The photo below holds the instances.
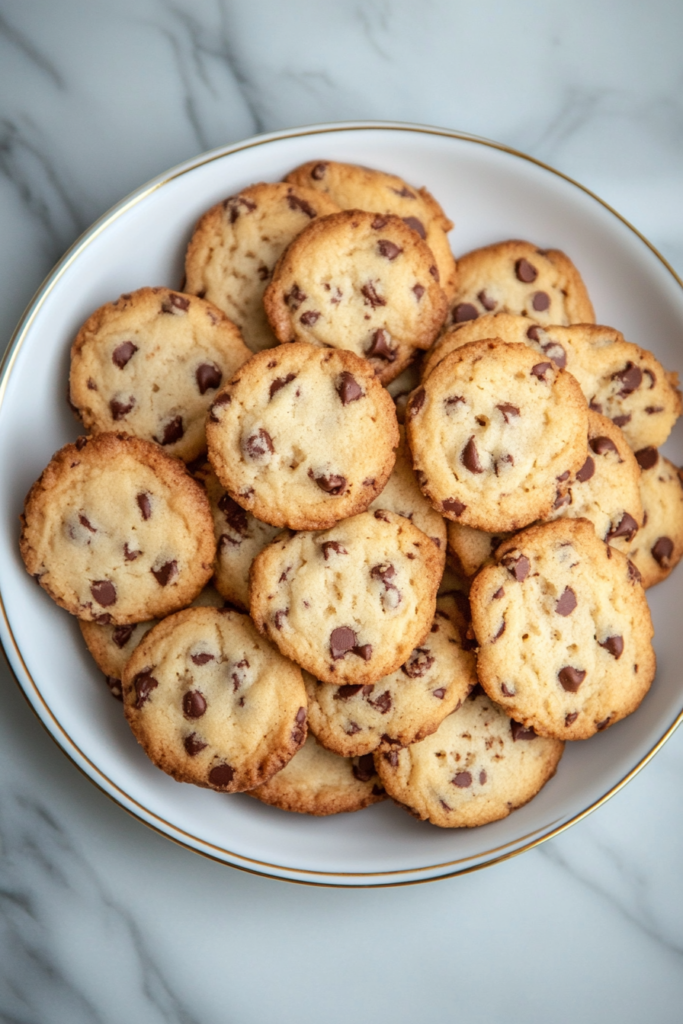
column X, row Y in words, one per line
column 30, row 690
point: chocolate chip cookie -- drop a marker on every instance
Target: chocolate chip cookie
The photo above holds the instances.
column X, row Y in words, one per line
column 402, row 707
column 516, row 277
column 358, row 281
column 361, row 188
column 116, row 531
column 212, row 702
column 236, row 244
column 348, row 604
column 476, row 768
column 318, row 782
column 495, row 434
column 658, row 546
column 150, row 364
column 564, row 630
column 303, row 436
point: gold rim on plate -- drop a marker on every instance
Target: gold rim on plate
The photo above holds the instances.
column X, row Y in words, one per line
column 55, row 730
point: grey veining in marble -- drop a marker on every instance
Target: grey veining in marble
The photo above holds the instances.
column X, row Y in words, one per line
column 101, row 919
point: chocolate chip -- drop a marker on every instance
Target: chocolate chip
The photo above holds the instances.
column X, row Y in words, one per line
column 310, row 317
column 143, row 683
column 371, row 297
column 352, row 729
column 234, row 514
column 84, row 521
column 114, row 685
column 342, row 640
column 419, row 662
column 295, row 298
column 534, row 333
column 571, row 718
column 259, row 444
column 209, row 377
column 571, row 678
column 540, row 301
column 120, row 409
column 194, row 704
column 416, row 225
column 144, row 504
column 440, row 693
column 603, row 725
column 263, row 273
column 508, row 411
column 621, row 421
column 595, row 406
column 486, row 302
column 631, row 378
column 388, row 249
column 613, row 644
column 662, row 552
column 556, row 352
column 417, row 400
column 384, row 572
column 562, row 499
column 348, row 388
column 222, row 400
column 234, row 205
column 221, row 775
column 392, row 757
column 464, row 311
column 498, row 594
column 122, row 635
column 363, row 651
column 165, row 573
column 517, row 565
column 175, row 304
column 295, row 202
column 507, row 691
column 80, row 443
column 173, row 431
column 627, row 527
column 463, row 780
column 378, row 222
column 383, row 515
column 202, row 659
column 602, row 445
column 500, row 632
column 586, row 471
column 365, row 769
column 347, row 691
column 521, row 732
column 318, row 172
column 330, row 483
column 129, row 555
column 647, row 457
column 540, row 370
column 470, row 457
column 525, row 271
column 280, row 383
column 567, row 602
column 123, row 353
column 419, row 291
column 380, row 348
column 454, row 506
column 382, row 703
column 652, row 409
column 333, row 545
column 633, row 573
column 104, row 592
column 280, row 617
column 193, row 745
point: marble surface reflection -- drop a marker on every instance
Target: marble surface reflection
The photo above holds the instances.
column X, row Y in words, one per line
column 105, row 921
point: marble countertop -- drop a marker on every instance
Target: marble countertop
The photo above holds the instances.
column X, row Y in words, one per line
column 101, row 919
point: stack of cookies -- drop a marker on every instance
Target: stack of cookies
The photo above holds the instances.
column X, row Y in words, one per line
column 355, row 519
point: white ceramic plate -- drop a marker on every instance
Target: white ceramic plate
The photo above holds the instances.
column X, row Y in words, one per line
column 491, row 193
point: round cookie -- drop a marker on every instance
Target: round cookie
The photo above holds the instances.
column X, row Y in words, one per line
column 476, row 768
column 236, row 245
column 405, row 706
column 112, row 646
column 658, row 545
column 303, row 436
column 564, row 630
column 116, row 531
column 402, row 494
column 516, row 277
column 240, row 536
column 316, row 781
column 495, row 435
column 618, row 378
column 151, row 363
column 212, row 702
column 358, row 281
column 348, row 604
column 361, row 188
